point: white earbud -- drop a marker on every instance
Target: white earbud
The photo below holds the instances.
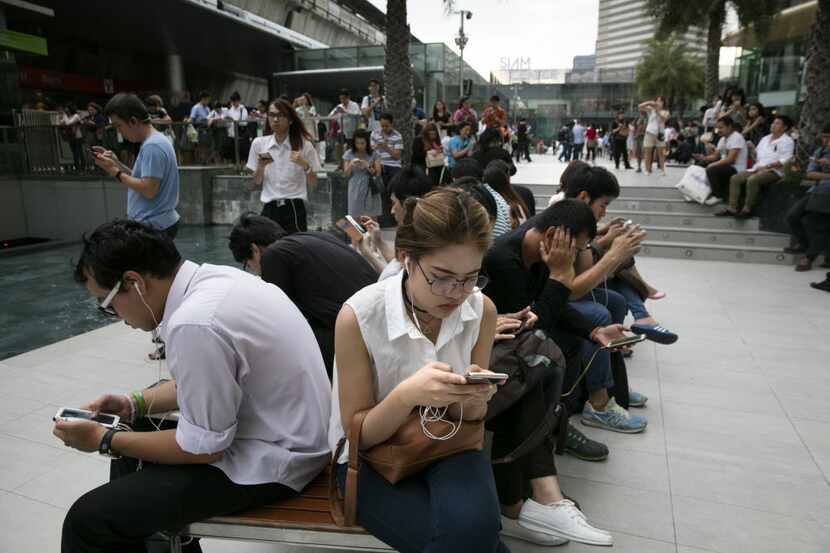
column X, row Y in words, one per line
column 137, row 289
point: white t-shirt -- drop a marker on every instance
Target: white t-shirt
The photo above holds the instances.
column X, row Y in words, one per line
column 655, row 122
column 734, row 141
column 397, row 349
column 237, row 114
column 283, row 179
column 772, row 150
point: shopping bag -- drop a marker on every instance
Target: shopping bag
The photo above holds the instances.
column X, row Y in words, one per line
column 695, row 185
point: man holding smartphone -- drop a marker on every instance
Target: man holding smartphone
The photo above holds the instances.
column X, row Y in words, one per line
column 153, row 182
column 388, row 143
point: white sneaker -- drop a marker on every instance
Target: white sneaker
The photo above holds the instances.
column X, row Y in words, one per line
column 512, row 529
column 564, row 520
column 712, row 200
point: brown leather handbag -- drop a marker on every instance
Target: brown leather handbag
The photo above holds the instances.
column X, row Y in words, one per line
column 406, row 453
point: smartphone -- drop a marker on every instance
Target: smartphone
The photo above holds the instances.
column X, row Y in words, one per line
column 69, row 414
column 351, row 220
column 486, row 378
column 266, row 156
column 626, row 341
column 628, row 223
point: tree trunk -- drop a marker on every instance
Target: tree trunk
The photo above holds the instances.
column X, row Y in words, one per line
column 397, row 74
column 717, row 13
column 816, row 110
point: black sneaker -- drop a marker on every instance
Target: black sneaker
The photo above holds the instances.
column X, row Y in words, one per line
column 582, row 447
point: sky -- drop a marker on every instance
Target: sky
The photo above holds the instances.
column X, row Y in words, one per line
column 549, row 32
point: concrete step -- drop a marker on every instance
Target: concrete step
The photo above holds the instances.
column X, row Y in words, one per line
column 669, row 206
column 721, row 237
column 742, row 254
column 683, row 219
column 645, row 192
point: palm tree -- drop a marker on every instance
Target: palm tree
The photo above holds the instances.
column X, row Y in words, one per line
column 816, row 110
column 677, row 16
column 668, row 69
column 397, row 74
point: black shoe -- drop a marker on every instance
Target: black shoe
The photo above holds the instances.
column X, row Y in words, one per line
column 582, row 447
column 824, row 286
column 795, row 249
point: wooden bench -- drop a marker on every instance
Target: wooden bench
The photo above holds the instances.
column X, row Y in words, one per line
column 304, row 520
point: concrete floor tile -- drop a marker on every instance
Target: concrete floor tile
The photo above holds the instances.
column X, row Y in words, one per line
column 729, row 423
column 816, row 436
column 24, row 460
column 35, row 427
column 74, row 476
column 638, row 512
column 779, row 491
column 730, row 529
column 635, row 469
column 27, row 526
column 750, row 401
column 703, row 375
column 623, row 543
column 13, row 407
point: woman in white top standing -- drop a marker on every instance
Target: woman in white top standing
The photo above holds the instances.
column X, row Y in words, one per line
column 285, row 164
column 407, row 342
column 655, row 132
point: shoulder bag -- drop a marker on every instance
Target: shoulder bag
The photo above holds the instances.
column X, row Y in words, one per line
column 406, row 453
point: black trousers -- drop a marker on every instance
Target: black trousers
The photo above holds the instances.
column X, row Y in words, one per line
column 289, row 214
column 719, row 180
column 117, row 517
column 620, row 150
column 387, row 173
column 522, row 149
column 811, row 230
column 510, row 429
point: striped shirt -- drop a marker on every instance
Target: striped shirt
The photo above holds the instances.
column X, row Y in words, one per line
column 393, row 140
column 503, row 223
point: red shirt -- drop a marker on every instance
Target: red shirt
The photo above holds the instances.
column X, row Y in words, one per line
column 591, row 133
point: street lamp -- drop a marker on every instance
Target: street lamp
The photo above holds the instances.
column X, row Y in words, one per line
column 461, row 42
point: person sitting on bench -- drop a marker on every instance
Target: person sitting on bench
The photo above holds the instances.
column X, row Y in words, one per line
column 406, row 342
column 248, row 381
column 315, row 270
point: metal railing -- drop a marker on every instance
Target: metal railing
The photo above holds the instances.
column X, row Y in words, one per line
column 42, row 146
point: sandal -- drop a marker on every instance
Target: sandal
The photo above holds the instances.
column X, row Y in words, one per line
column 655, row 333
column 657, row 295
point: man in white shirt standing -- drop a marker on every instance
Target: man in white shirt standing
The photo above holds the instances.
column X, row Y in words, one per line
column 285, row 164
column 773, row 152
column 248, row 382
column 373, row 105
column 728, row 159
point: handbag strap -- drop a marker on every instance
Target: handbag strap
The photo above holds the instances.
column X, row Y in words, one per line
column 554, row 416
column 344, row 509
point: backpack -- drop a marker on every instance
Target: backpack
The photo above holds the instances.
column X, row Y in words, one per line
column 528, row 359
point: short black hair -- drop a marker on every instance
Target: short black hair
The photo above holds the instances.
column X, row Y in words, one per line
column 499, row 164
column 727, row 120
column 388, row 116
column 466, row 167
column 489, row 136
column 788, row 122
column 252, row 229
column 126, row 106
column 596, row 181
column 204, row 94
column 481, row 194
column 411, row 182
column 495, row 98
column 374, row 81
column 123, row 245
column 572, row 214
column 235, row 97
column 344, row 92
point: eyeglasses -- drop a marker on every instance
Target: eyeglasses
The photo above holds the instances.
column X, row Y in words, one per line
column 444, row 286
column 105, row 306
column 277, row 115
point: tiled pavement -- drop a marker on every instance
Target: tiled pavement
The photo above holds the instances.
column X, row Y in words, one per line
column 736, row 457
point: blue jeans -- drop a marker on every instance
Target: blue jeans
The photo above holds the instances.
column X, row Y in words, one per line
column 632, row 298
column 599, row 375
column 602, row 307
column 452, row 506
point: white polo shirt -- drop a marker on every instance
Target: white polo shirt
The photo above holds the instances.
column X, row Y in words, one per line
column 250, row 379
column 771, row 150
column 237, row 114
column 283, row 179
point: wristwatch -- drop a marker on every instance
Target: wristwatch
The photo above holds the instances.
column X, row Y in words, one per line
column 105, row 447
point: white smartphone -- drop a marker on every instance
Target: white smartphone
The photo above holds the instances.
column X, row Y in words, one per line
column 486, row 378
column 626, row 341
column 358, row 227
column 70, row 414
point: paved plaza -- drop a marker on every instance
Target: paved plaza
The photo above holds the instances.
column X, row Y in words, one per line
column 736, row 457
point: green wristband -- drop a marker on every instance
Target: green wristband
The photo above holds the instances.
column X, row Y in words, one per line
column 140, row 406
